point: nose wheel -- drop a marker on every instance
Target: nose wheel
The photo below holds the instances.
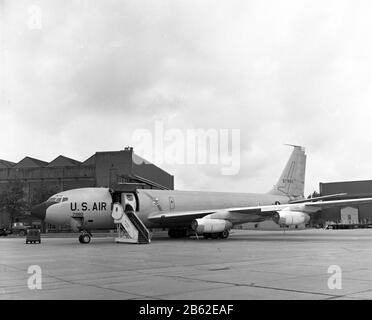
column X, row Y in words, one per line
column 85, row 237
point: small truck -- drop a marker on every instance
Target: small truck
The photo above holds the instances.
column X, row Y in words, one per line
column 20, row 228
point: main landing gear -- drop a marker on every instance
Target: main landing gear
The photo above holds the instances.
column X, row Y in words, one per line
column 85, row 237
column 222, row 235
column 183, row 233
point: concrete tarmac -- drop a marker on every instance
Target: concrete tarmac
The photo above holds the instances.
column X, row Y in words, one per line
column 248, row 265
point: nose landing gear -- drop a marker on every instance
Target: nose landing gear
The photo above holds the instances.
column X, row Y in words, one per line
column 85, row 237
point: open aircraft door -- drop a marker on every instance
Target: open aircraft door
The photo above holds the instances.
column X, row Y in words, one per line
column 128, row 199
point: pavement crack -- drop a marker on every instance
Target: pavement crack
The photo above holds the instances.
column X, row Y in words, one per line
column 253, row 285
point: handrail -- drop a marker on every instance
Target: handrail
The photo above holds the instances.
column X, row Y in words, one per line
column 138, row 224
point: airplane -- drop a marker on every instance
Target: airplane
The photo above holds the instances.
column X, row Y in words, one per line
column 183, row 213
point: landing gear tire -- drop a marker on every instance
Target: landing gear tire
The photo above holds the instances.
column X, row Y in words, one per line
column 206, row 235
column 214, row 235
column 224, row 234
column 84, row 238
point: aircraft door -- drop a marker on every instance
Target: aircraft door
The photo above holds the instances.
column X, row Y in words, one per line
column 128, row 198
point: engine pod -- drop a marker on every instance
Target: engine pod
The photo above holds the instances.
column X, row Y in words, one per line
column 210, row 225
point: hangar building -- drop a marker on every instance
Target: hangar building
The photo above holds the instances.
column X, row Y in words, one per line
column 361, row 214
column 113, row 169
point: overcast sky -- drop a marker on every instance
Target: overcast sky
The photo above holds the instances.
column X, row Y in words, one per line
column 87, row 74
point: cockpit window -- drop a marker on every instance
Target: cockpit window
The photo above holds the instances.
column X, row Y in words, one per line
column 57, row 198
column 64, row 199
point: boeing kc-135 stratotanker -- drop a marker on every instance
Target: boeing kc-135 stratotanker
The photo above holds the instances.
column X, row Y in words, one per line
column 211, row 214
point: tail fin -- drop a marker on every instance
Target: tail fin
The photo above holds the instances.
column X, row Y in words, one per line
column 292, row 180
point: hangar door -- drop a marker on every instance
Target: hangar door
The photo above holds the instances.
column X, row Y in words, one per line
column 349, row 215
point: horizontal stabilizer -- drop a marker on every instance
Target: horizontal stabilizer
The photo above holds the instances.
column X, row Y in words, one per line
column 327, row 197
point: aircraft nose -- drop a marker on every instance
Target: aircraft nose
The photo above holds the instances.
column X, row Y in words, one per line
column 39, row 210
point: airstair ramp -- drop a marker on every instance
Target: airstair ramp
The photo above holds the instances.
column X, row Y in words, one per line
column 129, row 227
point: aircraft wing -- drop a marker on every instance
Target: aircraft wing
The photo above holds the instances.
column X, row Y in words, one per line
column 308, row 207
column 337, row 203
column 235, row 214
column 179, row 216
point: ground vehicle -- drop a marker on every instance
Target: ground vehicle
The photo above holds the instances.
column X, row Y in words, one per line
column 4, row 232
column 20, row 228
column 33, row 236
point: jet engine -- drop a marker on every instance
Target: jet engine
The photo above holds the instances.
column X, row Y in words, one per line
column 290, row 218
column 210, row 225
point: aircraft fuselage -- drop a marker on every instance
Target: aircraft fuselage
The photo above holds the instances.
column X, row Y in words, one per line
column 92, row 206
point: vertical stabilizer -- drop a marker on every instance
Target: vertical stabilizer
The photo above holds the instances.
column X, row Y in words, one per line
column 292, row 180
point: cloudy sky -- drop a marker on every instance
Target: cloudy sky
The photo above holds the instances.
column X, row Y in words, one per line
column 82, row 76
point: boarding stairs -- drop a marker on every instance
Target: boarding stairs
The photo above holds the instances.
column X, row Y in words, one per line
column 129, row 227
